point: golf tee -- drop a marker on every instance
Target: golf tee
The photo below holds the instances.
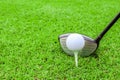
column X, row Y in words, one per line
column 76, row 58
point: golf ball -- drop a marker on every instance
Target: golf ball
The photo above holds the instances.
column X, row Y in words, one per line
column 75, row 42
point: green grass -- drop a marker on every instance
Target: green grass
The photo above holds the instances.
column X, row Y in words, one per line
column 29, row 46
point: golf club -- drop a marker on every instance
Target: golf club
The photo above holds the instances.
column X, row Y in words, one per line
column 90, row 45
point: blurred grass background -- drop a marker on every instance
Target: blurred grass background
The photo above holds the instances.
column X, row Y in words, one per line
column 29, row 46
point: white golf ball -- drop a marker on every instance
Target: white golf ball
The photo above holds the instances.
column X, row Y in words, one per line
column 75, row 42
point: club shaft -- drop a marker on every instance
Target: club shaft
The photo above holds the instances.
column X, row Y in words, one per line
column 107, row 28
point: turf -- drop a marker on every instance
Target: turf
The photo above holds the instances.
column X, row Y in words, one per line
column 29, row 46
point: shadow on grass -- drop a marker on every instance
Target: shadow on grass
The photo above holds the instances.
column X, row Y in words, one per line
column 95, row 55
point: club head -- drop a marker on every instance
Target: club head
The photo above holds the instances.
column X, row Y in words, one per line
column 89, row 48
